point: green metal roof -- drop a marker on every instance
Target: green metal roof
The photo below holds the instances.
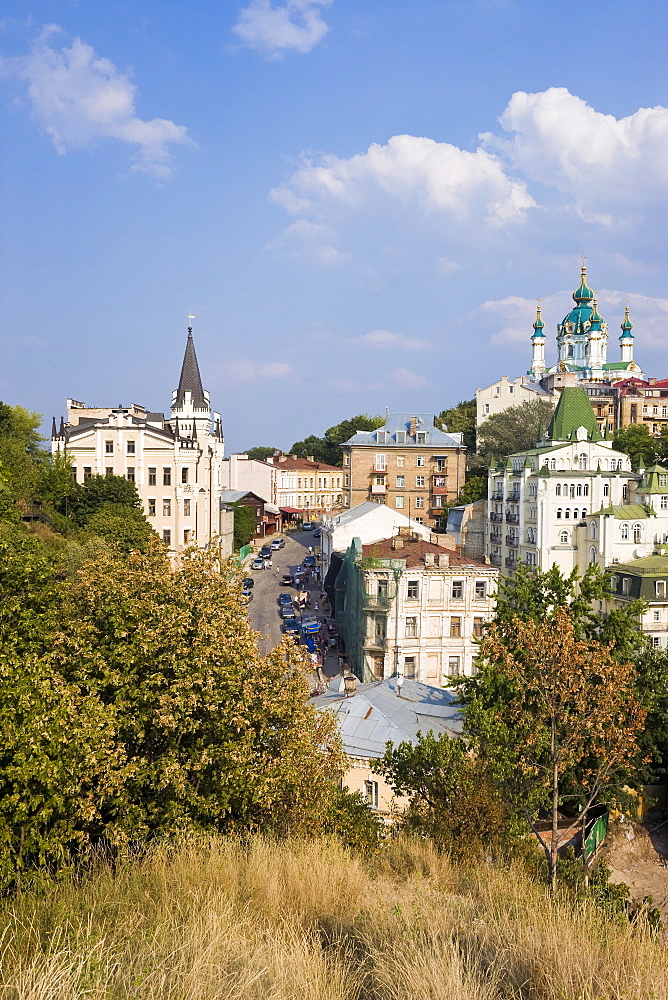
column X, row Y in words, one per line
column 651, row 480
column 626, row 512
column 647, row 566
column 573, row 411
column 644, row 574
column 616, row 365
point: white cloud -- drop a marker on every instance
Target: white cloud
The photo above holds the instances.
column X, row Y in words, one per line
column 295, row 26
column 312, row 241
column 385, row 338
column 247, row 370
column 79, row 98
column 407, row 379
column 432, row 176
column 597, row 159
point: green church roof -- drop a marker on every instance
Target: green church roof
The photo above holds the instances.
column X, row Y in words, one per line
column 625, row 512
column 573, row 411
column 617, row 365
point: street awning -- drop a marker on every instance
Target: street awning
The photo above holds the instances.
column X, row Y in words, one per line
column 290, row 510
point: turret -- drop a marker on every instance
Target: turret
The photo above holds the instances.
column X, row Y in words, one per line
column 597, row 340
column 538, row 345
column 626, row 339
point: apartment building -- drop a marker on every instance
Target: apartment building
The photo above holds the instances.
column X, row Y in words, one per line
column 646, row 580
column 306, row 486
column 412, row 608
column 409, row 463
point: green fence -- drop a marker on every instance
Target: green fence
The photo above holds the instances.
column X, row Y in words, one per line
column 244, row 551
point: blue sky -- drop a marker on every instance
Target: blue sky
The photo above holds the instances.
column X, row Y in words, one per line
column 359, row 201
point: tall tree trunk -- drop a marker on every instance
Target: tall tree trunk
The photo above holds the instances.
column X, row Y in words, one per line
column 555, row 812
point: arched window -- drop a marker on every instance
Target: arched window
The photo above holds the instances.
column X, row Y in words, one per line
column 575, row 514
column 582, row 461
column 557, row 489
column 624, row 533
column 592, row 529
column 592, row 555
column 571, row 490
column 567, row 513
column 563, row 537
column 606, row 490
column 637, row 532
column 559, row 513
column 553, row 463
column 578, row 490
column 585, row 490
column 569, row 353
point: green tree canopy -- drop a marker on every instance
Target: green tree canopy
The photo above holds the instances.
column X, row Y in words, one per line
column 244, row 524
column 461, row 418
column 260, row 453
column 86, row 498
column 121, row 525
column 326, row 449
column 637, row 442
column 516, row 429
column 30, row 473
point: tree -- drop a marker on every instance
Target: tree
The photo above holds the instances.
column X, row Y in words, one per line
column 121, row 525
column 569, row 703
column 637, row 442
column 326, row 449
column 98, row 492
column 452, row 800
column 461, row 418
column 260, row 453
column 244, row 524
column 515, row 429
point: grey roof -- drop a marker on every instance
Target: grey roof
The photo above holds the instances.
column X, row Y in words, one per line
column 375, row 714
column 364, row 508
column 190, row 377
column 401, row 422
column 232, row 496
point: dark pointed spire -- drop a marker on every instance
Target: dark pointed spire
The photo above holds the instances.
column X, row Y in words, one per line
column 177, row 432
column 190, row 377
column 194, row 433
column 54, row 432
column 61, row 429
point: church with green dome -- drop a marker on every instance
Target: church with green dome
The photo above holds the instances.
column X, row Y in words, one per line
column 582, row 342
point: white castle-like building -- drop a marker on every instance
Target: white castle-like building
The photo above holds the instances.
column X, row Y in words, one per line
column 176, row 464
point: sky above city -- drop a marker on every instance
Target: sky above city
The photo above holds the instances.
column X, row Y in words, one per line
column 360, row 201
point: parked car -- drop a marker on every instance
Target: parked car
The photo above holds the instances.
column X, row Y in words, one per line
column 246, row 596
column 257, row 563
column 307, row 526
column 316, row 533
column 277, row 543
column 290, row 625
column 285, row 598
column 248, row 582
column 309, row 562
column 265, row 552
column 287, row 580
column 287, row 612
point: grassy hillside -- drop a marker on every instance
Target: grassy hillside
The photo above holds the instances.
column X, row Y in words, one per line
column 306, row 921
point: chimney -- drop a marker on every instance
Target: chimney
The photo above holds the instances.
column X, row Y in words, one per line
column 349, row 684
column 282, row 458
column 397, row 542
column 428, row 559
column 404, row 530
column 310, row 458
column 443, row 560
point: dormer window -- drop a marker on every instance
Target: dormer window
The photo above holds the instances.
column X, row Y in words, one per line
column 381, row 437
column 421, row 437
column 401, row 437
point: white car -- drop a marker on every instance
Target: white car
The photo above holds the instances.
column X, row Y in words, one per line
column 257, row 564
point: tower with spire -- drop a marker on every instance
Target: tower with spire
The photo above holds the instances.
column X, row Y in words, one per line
column 191, row 406
column 626, row 339
column 538, row 345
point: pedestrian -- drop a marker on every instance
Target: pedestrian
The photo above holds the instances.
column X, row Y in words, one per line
column 310, row 550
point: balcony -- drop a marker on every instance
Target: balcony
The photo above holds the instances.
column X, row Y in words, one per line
column 513, row 541
column 374, row 642
column 379, row 489
column 439, row 485
column 512, row 518
column 498, row 497
column 511, row 562
column 375, row 602
column 494, row 516
column 495, row 559
column 514, row 496
column 495, row 536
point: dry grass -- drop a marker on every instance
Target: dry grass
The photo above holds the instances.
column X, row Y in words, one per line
column 306, row 921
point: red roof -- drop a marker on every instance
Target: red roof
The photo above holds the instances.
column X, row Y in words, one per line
column 291, row 462
column 413, row 551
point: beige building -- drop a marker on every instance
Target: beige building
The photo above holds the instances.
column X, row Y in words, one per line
column 305, row 485
column 176, row 464
column 408, row 463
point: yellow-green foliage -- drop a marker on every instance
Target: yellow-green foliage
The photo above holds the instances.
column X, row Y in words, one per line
column 218, row 920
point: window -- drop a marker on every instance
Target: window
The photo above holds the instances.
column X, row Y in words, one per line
column 109, row 447
column 592, row 529
column 453, row 666
column 578, row 490
column 606, row 490
column 401, row 437
column 166, row 477
column 381, row 437
column 166, row 508
column 419, row 502
column 624, row 532
column 438, row 501
column 567, row 514
column 401, row 461
column 411, row 627
column 130, row 447
column 186, row 536
column 663, row 480
column 73, row 473
column 420, row 461
column 400, row 482
column 152, row 476
column 186, row 507
column 613, row 582
column 657, row 616
column 563, row 537
column 455, row 628
column 167, row 536
column 571, row 490
column 108, row 471
column 559, row 513
column 585, row 490
column 399, row 503
column 409, row 666
column 626, row 585
column 582, row 462
column 441, row 464
column 88, row 472
column 478, row 624
column 637, row 532
column 557, row 489
column 419, row 481
column 371, row 793
column 412, row 590
column 660, row 588
column 381, row 462
column 486, row 408
column 480, row 590
column 346, row 459
column 130, row 473
column 593, row 558
column 184, row 474
column 663, row 503
column 457, row 589
column 553, row 463
column 151, row 508
column 511, row 389
column 346, row 480
column 419, row 520
column 656, row 641
column 380, row 480
column 421, row 437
